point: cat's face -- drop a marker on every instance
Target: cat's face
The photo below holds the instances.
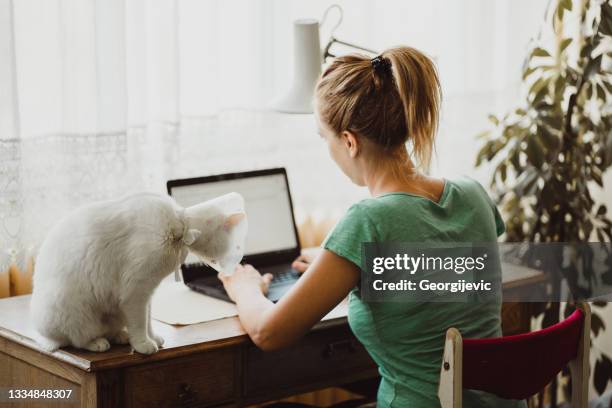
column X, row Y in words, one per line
column 215, row 229
column 214, row 237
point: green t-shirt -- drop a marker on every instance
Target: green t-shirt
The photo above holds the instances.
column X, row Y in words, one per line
column 406, row 339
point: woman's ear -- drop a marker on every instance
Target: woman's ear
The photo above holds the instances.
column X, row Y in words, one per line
column 351, row 142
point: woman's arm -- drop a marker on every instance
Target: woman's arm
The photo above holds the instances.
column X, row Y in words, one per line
column 271, row 326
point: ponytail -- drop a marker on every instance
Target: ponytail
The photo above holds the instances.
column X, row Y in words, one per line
column 418, row 87
column 390, row 100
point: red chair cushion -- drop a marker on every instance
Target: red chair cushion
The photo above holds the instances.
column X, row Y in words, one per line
column 516, row 367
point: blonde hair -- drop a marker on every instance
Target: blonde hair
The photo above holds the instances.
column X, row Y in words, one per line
column 391, row 100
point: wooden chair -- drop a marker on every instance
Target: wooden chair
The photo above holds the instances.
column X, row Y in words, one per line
column 517, row 367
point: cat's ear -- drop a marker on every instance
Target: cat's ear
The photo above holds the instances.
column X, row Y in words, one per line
column 191, row 235
column 233, row 219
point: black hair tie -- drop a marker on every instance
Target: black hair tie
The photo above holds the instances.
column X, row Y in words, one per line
column 381, row 65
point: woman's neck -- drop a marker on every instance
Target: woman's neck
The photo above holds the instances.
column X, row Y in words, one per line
column 390, row 178
column 386, row 182
column 404, row 178
column 386, row 172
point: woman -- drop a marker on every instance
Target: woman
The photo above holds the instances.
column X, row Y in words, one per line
column 367, row 112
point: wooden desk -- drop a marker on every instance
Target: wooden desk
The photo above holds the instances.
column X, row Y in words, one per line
column 207, row 364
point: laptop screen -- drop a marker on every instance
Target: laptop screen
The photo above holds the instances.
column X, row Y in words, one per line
column 267, row 204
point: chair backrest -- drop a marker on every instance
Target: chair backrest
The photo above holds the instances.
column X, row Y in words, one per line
column 517, row 367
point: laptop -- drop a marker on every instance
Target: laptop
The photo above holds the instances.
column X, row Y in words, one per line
column 272, row 241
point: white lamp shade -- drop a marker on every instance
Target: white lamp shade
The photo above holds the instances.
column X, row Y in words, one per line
column 307, row 61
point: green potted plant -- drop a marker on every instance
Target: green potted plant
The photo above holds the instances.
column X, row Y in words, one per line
column 549, row 153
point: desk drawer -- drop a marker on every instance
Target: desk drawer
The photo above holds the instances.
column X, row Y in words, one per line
column 320, row 359
column 193, row 381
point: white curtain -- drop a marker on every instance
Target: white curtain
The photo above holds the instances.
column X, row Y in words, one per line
column 103, row 97
column 100, row 66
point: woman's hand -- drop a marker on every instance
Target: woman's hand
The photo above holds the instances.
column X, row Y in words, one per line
column 274, row 325
column 302, row 262
column 245, row 280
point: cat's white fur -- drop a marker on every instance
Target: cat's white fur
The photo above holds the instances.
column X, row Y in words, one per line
column 98, row 267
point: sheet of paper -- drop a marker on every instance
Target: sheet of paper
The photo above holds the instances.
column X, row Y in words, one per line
column 176, row 304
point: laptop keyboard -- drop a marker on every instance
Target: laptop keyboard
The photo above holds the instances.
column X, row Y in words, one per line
column 282, row 278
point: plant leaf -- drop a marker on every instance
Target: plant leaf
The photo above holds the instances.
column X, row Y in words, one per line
column 548, row 139
column 529, row 71
column 566, row 4
column 597, row 324
column 602, row 210
column 540, row 52
column 602, row 373
column 592, row 67
column 526, row 185
column 601, row 94
column 483, row 153
column 554, row 121
column 564, row 44
column 537, row 86
column 560, row 11
column 596, row 176
column 483, row 135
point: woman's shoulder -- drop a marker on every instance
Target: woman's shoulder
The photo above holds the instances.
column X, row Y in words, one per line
column 370, row 207
column 478, row 197
column 466, row 182
column 462, row 188
column 472, row 186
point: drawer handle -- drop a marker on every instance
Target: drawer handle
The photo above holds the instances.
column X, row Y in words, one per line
column 186, row 395
column 335, row 348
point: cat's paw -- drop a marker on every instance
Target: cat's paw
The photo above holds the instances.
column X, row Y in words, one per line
column 146, row 346
column 98, row 345
column 47, row 344
column 159, row 340
column 121, row 337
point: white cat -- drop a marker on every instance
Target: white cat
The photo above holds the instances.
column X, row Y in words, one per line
column 98, row 267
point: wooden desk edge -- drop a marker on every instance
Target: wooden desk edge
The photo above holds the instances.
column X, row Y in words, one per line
column 527, row 281
column 134, row 358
